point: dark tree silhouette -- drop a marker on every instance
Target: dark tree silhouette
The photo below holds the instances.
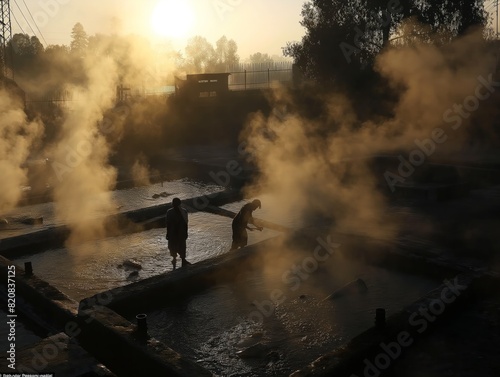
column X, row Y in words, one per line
column 260, row 58
column 79, row 40
column 201, row 56
column 331, row 26
column 26, row 51
column 343, row 38
column 453, row 16
column 226, row 53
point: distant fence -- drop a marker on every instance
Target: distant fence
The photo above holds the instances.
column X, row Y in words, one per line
column 243, row 76
column 259, row 66
column 61, row 99
column 259, row 79
column 259, row 75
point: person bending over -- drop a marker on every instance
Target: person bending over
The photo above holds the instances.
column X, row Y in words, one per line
column 240, row 224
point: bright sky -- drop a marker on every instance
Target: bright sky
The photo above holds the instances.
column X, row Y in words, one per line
column 256, row 25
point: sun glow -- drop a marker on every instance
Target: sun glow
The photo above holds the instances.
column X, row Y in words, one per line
column 172, row 18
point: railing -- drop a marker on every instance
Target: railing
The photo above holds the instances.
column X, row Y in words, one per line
column 245, row 80
column 240, row 79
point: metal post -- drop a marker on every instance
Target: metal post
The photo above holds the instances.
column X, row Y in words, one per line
column 268, row 78
column 5, row 37
column 380, row 317
column 142, row 325
column 245, row 79
column 28, row 269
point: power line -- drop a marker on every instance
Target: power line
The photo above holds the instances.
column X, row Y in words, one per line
column 25, row 19
column 17, row 22
column 35, row 23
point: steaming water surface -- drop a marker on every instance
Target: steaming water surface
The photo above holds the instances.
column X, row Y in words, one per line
column 94, row 266
column 213, row 326
column 125, row 200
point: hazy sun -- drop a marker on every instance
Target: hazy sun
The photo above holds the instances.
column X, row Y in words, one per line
column 172, row 18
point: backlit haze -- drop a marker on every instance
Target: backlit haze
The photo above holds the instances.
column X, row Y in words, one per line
column 256, row 26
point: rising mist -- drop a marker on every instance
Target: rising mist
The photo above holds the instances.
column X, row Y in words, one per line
column 18, row 137
column 319, row 166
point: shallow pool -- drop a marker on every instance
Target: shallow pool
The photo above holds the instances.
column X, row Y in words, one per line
column 95, row 266
column 124, row 200
column 212, row 327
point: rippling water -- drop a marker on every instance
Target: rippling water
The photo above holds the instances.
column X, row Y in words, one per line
column 125, row 200
column 213, row 326
column 93, row 267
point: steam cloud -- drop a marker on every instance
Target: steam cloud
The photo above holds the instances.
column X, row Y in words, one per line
column 92, row 127
column 319, row 167
column 18, row 136
column 140, row 172
column 81, row 192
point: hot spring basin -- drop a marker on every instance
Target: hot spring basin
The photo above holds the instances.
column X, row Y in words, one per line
column 236, row 330
column 98, row 266
column 124, row 200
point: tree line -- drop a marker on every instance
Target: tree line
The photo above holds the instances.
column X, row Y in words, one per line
column 343, row 38
column 341, row 42
column 56, row 66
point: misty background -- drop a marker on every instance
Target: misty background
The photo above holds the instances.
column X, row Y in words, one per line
column 370, row 78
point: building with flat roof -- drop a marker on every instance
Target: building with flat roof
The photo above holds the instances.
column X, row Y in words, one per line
column 203, row 85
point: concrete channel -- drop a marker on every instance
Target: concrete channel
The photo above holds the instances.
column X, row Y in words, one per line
column 98, row 336
column 95, row 337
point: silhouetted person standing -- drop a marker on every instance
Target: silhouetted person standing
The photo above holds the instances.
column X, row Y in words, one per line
column 177, row 232
column 240, row 224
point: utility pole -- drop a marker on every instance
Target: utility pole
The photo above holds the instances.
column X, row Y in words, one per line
column 5, row 37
